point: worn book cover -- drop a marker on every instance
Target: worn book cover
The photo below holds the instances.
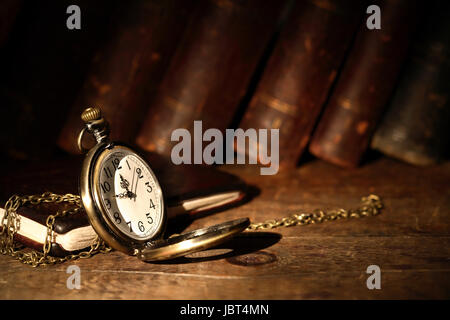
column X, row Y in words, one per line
column 365, row 85
column 211, row 69
column 415, row 127
column 300, row 72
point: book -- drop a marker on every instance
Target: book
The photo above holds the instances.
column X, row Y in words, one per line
column 125, row 73
column 46, row 63
column 300, row 72
column 211, row 69
column 190, row 192
column 365, row 85
column 415, row 127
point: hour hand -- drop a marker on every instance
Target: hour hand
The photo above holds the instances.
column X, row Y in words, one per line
column 124, row 183
column 122, row 195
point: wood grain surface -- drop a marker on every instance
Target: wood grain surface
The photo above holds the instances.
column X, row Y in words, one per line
column 409, row 241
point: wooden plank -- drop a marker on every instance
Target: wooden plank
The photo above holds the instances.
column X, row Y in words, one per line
column 409, row 241
column 295, row 267
column 417, row 200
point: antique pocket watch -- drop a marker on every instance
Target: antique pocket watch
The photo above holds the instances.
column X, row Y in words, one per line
column 125, row 203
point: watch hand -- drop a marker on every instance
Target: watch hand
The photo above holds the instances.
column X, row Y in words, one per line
column 135, row 189
column 126, row 194
column 132, row 182
column 124, row 183
column 130, row 194
column 121, row 195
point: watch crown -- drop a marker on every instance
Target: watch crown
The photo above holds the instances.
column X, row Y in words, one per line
column 91, row 114
column 94, row 124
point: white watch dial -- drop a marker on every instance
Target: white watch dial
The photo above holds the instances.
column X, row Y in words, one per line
column 131, row 195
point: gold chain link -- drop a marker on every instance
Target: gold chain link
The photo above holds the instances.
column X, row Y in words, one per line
column 10, row 223
column 370, row 206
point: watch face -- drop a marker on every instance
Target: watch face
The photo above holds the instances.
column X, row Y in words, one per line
column 130, row 194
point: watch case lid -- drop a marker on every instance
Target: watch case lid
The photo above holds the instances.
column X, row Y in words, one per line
column 193, row 241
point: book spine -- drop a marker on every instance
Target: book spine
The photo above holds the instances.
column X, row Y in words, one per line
column 300, row 72
column 415, row 127
column 46, row 65
column 211, row 69
column 365, row 85
column 126, row 72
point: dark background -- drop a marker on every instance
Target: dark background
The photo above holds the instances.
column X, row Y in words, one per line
column 140, row 51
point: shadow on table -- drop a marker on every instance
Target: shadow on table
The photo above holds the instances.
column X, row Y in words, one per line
column 236, row 251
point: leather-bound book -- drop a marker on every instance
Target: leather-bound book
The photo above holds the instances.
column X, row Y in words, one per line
column 416, row 127
column 126, row 72
column 189, row 191
column 211, row 69
column 365, row 85
column 8, row 12
column 45, row 63
column 300, row 73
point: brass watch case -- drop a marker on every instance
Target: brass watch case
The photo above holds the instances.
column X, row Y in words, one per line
column 154, row 247
column 96, row 212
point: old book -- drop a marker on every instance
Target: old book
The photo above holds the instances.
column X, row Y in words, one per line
column 300, row 72
column 415, row 127
column 211, row 69
column 46, row 63
column 190, row 191
column 126, row 72
column 365, row 85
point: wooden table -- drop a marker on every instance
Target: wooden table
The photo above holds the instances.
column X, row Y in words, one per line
column 409, row 241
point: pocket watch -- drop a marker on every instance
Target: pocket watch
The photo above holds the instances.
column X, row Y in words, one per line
column 124, row 201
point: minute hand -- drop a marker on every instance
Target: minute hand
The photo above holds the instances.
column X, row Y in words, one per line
column 135, row 188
